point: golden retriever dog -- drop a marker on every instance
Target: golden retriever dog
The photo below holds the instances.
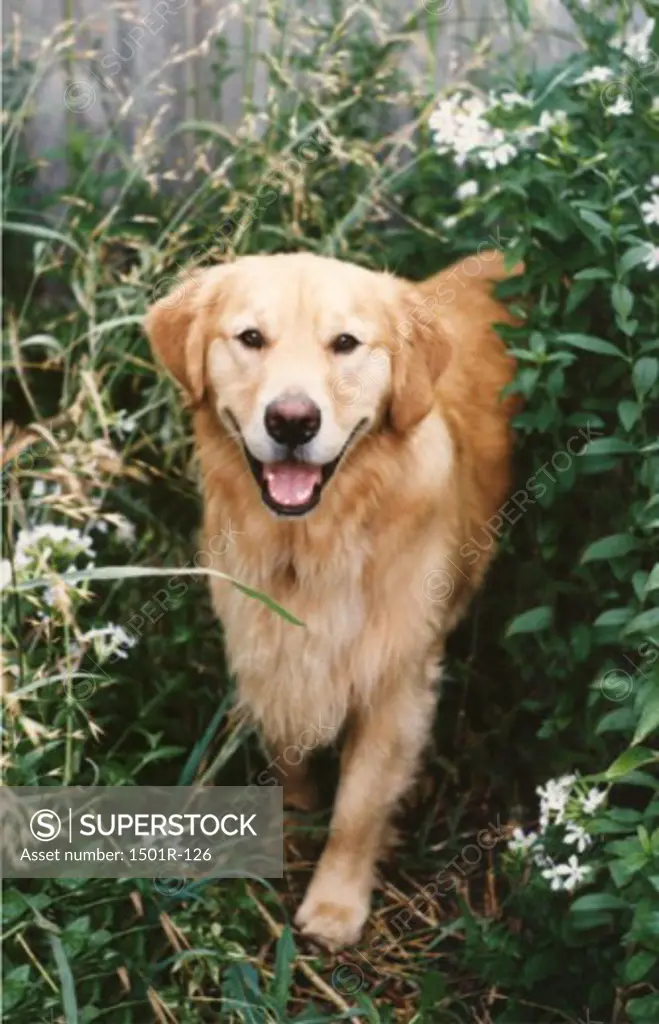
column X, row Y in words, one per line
column 351, row 433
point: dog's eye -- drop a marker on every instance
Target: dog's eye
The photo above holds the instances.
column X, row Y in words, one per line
column 251, row 338
column 344, row 343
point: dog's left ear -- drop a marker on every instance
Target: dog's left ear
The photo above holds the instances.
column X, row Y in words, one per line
column 420, row 354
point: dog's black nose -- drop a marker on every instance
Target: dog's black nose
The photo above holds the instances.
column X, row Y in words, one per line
column 292, row 420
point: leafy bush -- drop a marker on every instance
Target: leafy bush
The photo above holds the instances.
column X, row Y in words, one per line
column 559, row 165
column 555, row 676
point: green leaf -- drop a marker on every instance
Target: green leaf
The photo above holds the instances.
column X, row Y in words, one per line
column 531, row 621
column 633, row 257
column 608, row 446
column 644, row 1010
column 631, row 759
column 284, row 961
column 43, row 233
column 628, row 413
column 614, row 546
column 613, row 617
column 620, row 720
column 622, row 871
column 16, row 982
column 622, row 300
column 598, row 901
column 593, row 274
column 596, row 222
column 69, row 1002
column 241, row 991
column 589, row 343
column 644, row 840
column 433, row 988
column 645, row 622
column 577, row 294
column 644, row 374
column 652, row 582
column 638, row 966
column 649, row 720
column 599, row 919
column 123, row 572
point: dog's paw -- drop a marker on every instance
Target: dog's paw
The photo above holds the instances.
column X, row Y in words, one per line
column 333, row 916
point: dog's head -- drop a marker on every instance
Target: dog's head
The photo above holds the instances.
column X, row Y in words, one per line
column 300, row 356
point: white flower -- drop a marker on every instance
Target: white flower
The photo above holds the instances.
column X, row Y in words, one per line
column 651, row 259
column 458, row 125
column 637, row 46
column 620, row 107
column 592, row 800
column 549, row 119
column 577, row 835
column 125, row 529
column 553, row 875
column 501, row 154
column 520, row 841
column 566, row 876
column 552, row 119
column 124, row 424
column 474, row 106
column 540, row 858
column 36, row 546
column 450, row 222
column 653, row 183
column 110, row 641
column 527, row 132
column 5, row 574
column 650, row 210
column 510, row 100
column 574, row 872
column 554, row 795
column 467, row 190
column 596, row 74
column 461, row 127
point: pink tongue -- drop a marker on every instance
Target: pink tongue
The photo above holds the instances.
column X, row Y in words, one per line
column 291, row 483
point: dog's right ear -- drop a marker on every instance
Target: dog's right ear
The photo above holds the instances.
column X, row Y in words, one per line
column 175, row 328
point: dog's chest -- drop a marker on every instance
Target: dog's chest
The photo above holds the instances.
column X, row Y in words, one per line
column 292, row 675
column 323, row 585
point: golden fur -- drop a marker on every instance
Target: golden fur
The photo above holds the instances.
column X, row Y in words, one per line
column 375, row 572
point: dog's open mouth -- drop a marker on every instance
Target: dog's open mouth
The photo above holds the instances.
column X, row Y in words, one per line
column 290, row 486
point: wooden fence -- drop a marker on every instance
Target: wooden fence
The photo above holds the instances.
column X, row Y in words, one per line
column 95, row 59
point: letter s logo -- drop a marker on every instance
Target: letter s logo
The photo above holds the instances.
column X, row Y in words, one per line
column 45, row 825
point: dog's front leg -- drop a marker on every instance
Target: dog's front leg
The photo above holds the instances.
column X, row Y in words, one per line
column 378, row 765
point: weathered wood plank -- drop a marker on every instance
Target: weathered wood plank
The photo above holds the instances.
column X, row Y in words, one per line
column 125, row 73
